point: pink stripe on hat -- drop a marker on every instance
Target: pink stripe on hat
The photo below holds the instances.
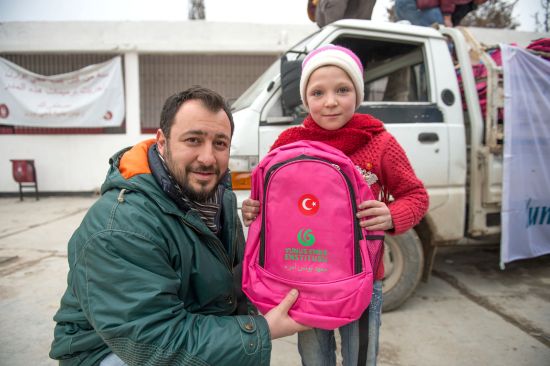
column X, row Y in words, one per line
column 334, row 47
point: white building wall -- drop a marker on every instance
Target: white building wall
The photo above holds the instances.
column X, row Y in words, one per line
column 76, row 163
column 64, row 163
column 131, row 87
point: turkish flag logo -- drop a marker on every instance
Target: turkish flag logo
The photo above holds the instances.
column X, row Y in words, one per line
column 308, row 204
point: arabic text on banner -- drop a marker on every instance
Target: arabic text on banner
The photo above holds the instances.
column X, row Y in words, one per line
column 90, row 97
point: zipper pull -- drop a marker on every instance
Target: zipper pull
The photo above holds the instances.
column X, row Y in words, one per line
column 121, row 195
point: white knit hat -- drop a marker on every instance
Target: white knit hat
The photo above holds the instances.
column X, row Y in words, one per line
column 331, row 55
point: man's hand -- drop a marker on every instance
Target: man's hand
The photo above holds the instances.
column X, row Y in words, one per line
column 280, row 323
column 250, row 210
column 378, row 213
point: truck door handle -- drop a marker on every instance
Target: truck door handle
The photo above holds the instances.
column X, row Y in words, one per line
column 427, row 137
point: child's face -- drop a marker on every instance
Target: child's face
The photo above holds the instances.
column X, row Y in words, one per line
column 330, row 97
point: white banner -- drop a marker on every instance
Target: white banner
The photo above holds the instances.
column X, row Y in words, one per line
column 90, row 97
column 526, row 176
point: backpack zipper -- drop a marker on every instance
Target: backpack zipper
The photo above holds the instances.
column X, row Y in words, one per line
column 358, row 234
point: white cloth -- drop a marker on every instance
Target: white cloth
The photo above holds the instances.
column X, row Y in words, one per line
column 526, row 176
column 90, row 97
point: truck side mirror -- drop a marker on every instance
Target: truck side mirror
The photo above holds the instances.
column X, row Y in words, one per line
column 290, row 84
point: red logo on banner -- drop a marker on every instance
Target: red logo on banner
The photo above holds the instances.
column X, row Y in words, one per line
column 308, row 204
column 4, row 111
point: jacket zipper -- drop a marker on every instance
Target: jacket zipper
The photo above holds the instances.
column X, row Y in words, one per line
column 234, row 241
column 218, row 248
column 358, row 234
column 215, row 244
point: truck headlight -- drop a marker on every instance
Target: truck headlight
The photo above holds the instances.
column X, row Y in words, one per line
column 241, row 171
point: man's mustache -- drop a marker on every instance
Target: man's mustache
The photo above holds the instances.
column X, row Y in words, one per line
column 205, row 169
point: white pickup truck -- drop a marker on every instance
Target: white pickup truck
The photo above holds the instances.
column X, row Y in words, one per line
column 411, row 85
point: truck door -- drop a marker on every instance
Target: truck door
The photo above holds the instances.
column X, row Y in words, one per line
column 397, row 92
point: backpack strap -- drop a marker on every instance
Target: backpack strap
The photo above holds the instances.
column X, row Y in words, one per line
column 363, row 338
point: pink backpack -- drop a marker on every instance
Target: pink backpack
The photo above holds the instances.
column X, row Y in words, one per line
column 308, row 237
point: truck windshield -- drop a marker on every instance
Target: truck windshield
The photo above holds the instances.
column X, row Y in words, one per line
column 246, row 99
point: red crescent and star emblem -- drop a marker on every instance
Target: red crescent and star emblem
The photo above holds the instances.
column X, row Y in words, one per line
column 308, row 204
column 4, row 111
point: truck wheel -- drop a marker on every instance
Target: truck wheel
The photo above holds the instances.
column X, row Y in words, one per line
column 403, row 264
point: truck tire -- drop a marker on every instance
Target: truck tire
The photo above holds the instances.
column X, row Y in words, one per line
column 403, row 265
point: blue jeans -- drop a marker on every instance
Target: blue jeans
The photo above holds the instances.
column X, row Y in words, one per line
column 407, row 10
column 317, row 347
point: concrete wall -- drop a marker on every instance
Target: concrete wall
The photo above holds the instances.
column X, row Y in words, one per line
column 73, row 163
column 168, row 37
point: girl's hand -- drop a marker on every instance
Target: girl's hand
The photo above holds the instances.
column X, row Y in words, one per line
column 250, row 210
column 378, row 213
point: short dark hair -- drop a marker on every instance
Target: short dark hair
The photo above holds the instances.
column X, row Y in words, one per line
column 213, row 101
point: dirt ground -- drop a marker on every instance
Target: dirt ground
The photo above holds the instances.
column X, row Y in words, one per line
column 469, row 313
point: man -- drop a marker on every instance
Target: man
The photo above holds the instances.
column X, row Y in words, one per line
column 155, row 265
column 455, row 10
column 424, row 13
column 427, row 12
column 324, row 12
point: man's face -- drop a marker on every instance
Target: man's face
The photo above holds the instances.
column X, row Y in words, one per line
column 197, row 152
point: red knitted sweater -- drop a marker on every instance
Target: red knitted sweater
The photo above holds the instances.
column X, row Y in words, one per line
column 371, row 147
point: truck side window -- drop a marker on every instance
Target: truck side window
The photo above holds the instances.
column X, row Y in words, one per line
column 394, row 72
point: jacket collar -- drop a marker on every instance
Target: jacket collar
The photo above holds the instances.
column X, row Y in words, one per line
column 130, row 169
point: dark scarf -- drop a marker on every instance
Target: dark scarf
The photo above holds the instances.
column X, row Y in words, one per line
column 209, row 211
column 351, row 137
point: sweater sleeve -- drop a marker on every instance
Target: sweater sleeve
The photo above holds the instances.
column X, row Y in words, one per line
column 410, row 202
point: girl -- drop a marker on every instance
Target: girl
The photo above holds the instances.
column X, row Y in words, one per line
column 331, row 88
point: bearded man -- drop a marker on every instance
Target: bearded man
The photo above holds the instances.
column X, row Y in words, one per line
column 154, row 268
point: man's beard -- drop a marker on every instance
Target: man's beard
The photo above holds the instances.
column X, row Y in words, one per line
column 180, row 174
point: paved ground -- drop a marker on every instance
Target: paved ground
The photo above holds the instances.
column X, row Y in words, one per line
column 469, row 313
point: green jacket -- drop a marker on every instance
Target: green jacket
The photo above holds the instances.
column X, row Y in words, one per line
column 152, row 283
